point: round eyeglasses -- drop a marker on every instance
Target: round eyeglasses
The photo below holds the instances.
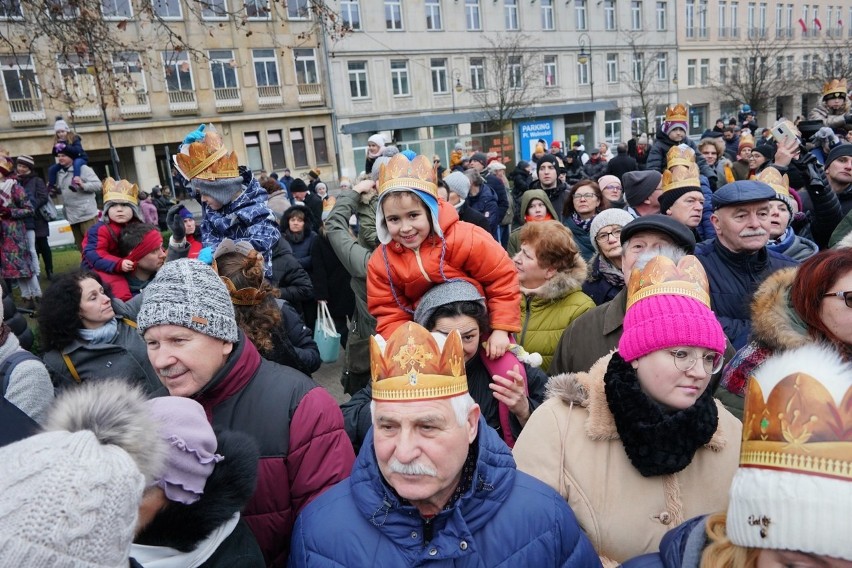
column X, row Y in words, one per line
column 847, row 296
column 685, row 359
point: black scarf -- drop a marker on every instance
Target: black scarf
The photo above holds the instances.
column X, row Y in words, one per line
column 657, row 442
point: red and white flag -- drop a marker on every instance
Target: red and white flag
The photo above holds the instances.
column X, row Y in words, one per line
column 803, row 24
column 818, row 24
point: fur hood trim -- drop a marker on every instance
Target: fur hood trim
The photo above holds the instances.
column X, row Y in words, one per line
column 587, row 391
column 772, row 317
column 562, row 283
column 116, row 413
column 845, row 242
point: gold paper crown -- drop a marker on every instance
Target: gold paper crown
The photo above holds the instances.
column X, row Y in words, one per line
column 661, row 276
column 208, row 158
column 680, row 155
column 400, row 173
column 835, row 87
column 746, row 140
column 121, row 190
column 773, row 178
column 681, row 176
column 677, row 113
column 413, row 367
column 799, row 428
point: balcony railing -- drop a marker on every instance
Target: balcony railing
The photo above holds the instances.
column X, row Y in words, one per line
column 89, row 113
column 228, row 100
column 26, row 112
column 269, row 96
column 723, row 32
column 183, row 102
column 135, row 105
column 703, row 33
column 310, row 94
column 735, row 32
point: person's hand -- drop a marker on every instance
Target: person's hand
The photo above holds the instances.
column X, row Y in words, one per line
column 175, row 223
column 246, row 174
column 364, row 186
column 786, row 151
column 5, row 213
column 497, row 344
column 127, row 265
column 510, row 391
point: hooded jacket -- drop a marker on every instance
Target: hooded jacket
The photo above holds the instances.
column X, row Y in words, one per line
column 547, row 310
column 301, row 246
column 572, row 444
column 79, row 205
column 529, row 195
column 792, row 245
column 834, row 119
column 506, row 518
column 486, row 202
column 398, row 277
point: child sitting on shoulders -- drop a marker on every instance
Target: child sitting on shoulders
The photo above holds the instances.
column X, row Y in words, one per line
column 69, row 143
column 424, row 244
column 101, row 243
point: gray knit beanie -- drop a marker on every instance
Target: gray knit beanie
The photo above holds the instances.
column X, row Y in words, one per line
column 443, row 294
column 607, row 217
column 222, row 190
column 458, row 183
column 188, row 293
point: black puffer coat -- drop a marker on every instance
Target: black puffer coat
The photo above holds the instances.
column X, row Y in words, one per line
column 15, row 320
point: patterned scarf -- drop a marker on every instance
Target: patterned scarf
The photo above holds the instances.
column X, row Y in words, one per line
column 584, row 224
column 610, row 272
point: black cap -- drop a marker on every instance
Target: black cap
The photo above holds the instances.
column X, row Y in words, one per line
column 843, row 149
column 740, row 192
column 479, row 157
column 678, row 232
column 298, row 185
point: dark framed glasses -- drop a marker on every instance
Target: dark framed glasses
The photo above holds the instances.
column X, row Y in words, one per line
column 847, row 296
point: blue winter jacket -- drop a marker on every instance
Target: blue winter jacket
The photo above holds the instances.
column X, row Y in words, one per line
column 486, row 203
column 682, row 547
column 506, row 519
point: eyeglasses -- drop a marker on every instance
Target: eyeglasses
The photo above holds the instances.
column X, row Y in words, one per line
column 847, row 296
column 685, row 359
column 603, row 237
column 579, row 196
column 613, row 186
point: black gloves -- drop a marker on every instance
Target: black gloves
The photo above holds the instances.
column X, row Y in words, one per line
column 175, row 223
column 246, row 174
column 848, row 118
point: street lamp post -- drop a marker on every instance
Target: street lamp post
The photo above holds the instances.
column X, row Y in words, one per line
column 457, row 87
column 585, row 57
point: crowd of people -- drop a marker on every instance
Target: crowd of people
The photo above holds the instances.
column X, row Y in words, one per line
column 638, row 356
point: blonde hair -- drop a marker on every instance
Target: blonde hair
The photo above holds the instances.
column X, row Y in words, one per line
column 721, row 552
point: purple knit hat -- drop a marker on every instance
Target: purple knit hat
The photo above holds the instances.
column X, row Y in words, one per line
column 668, row 306
column 191, row 454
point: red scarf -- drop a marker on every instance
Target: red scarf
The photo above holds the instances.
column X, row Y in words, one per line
column 547, row 217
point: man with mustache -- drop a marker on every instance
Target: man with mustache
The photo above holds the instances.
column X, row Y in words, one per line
column 433, row 484
column 737, row 260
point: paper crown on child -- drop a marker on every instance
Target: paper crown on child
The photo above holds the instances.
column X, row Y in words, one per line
column 834, row 89
column 677, row 113
column 120, row 191
column 400, row 173
column 412, row 366
column 680, row 155
column 746, row 140
column 661, row 276
column 793, row 488
column 204, row 156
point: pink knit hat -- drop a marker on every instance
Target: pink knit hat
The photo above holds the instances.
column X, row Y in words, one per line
column 668, row 306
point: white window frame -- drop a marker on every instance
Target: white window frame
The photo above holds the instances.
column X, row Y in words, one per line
column 662, row 66
column 702, row 18
column 637, row 66
column 612, row 68
column 723, row 69
column 434, row 17
column 214, row 10
column 257, row 10
column 691, row 69
column 167, row 4
column 298, row 10
column 662, row 16
column 357, row 71
column 305, row 65
column 636, row 15
column 20, row 64
column 704, row 72
column 176, row 60
column 735, row 19
column 547, row 19
column 74, row 72
column 761, row 18
column 510, row 15
column 583, row 73
column 265, row 57
column 610, row 18
column 393, row 16
column 65, row 10
column 129, row 63
column 400, row 82
column 581, row 21
column 689, row 19
column 223, row 61
column 126, row 14
column 440, row 76
column 472, row 16
column 551, row 70
column 350, row 14
column 516, row 72
column 723, row 17
column 6, row 15
column 477, row 73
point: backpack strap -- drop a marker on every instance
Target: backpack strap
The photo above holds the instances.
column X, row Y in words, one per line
column 71, row 367
column 10, row 363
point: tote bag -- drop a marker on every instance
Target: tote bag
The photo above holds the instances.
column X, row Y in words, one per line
column 325, row 335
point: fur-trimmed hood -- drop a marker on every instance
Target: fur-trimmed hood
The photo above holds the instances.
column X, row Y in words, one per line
column 562, row 283
column 773, row 321
column 587, row 391
column 845, row 242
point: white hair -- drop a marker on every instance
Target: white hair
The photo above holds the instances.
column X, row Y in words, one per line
column 462, row 404
column 673, row 252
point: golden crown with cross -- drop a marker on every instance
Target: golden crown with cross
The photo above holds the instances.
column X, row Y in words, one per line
column 208, row 158
column 121, row 190
column 662, row 276
column 400, row 173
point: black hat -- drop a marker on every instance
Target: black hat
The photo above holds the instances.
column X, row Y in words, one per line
column 843, row 149
column 479, row 157
column 766, row 149
column 678, row 232
column 742, row 191
column 639, row 185
column 298, row 185
column 550, row 158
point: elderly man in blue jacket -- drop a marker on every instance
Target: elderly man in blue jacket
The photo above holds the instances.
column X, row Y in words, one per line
column 433, row 484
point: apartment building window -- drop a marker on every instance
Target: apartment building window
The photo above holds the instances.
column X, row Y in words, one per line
column 11, row 10
column 662, row 66
column 393, row 14
column 551, row 79
column 547, row 15
column 253, row 156
column 306, row 66
column 790, row 63
column 350, row 14
column 19, row 77
column 750, row 22
column 177, row 70
column 806, row 65
column 583, row 73
column 214, row 10
column 516, row 73
column 298, row 10
column 580, row 15
column 223, row 69
column 636, row 15
column 735, row 23
column 723, row 16
column 111, row 9
column 300, row 149
column 433, row 15
column 690, row 18
column 789, row 19
column 276, row 149
column 702, row 19
column 471, row 14
column 320, row 144
column 814, row 64
column 779, row 20
column 779, row 67
column 735, row 67
column 440, row 83
column 723, row 69
column 265, row 67
column 477, row 73
column 510, row 12
column 399, row 78
column 127, row 65
column 638, row 66
column 612, row 68
column 609, row 15
column 612, row 126
column 358, row 87
column 814, row 29
column 761, row 18
column 690, row 72
column 64, row 9
column 662, row 16
column 257, row 10
column 167, row 9
column 704, row 72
